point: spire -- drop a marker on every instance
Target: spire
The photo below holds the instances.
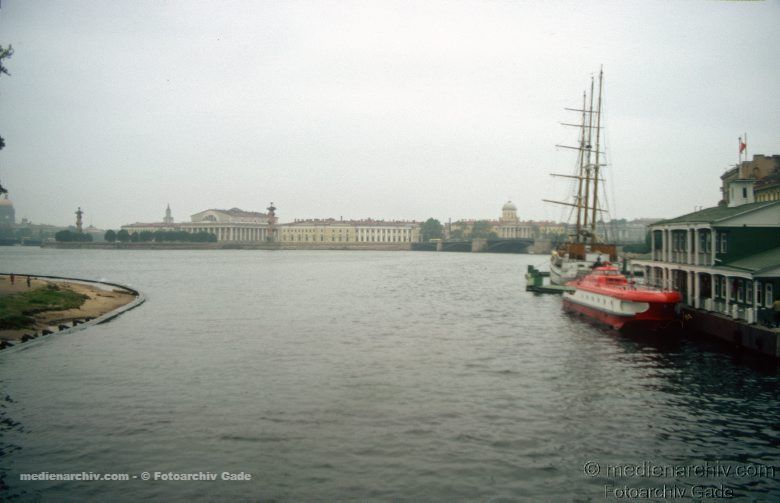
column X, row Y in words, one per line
column 168, row 217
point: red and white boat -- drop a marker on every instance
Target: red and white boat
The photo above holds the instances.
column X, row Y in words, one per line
column 607, row 296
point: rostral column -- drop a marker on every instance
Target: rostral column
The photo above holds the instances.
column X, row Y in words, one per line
column 271, row 221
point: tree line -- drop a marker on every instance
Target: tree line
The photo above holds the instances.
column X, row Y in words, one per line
column 159, row 237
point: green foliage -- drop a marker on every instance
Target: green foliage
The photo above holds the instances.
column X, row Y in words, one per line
column 173, row 236
column 639, row 248
column 72, row 237
column 482, row 229
column 16, row 310
column 5, row 53
column 160, row 237
column 431, row 229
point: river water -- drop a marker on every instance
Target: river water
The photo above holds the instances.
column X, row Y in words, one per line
column 370, row 376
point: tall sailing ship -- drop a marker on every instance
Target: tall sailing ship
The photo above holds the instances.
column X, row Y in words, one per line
column 582, row 249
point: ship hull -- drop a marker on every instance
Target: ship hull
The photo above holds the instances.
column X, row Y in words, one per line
column 657, row 317
column 562, row 271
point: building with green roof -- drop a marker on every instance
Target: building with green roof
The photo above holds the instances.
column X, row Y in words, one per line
column 724, row 260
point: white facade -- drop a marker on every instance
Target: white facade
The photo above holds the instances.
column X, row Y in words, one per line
column 509, row 226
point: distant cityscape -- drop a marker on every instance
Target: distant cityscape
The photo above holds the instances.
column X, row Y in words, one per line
column 236, row 225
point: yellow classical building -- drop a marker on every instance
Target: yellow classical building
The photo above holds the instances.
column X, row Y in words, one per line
column 348, row 231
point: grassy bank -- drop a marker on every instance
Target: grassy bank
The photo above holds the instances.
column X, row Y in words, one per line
column 17, row 310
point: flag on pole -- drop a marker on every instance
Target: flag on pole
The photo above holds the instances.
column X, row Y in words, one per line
column 742, row 145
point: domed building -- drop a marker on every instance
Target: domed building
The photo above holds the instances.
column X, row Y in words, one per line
column 509, row 226
column 508, row 213
column 7, row 212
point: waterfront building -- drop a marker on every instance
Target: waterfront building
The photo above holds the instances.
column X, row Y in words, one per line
column 768, row 188
column 624, row 231
column 549, row 229
column 233, row 225
column 509, row 225
column 365, row 231
column 723, row 260
column 762, row 170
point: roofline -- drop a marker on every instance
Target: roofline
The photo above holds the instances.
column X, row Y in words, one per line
column 667, row 221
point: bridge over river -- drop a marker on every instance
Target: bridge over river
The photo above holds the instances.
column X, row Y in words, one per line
column 520, row 245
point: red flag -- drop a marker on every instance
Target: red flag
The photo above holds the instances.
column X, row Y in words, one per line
column 742, row 145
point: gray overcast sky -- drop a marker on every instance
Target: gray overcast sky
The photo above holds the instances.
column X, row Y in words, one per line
column 375, row 109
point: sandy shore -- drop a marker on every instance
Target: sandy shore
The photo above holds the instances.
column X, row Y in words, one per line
column 100, row 301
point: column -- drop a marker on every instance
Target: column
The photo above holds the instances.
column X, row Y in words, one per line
column 728, row 292
column 696, row 293
column 712, row 289
column 713, row 244
column 688, row 287
column 688, row 246
column 652, row 244
column 664, row 255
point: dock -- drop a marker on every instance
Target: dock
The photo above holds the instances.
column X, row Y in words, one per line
column 535, row 282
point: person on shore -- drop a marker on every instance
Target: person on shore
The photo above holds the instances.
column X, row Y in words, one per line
column 13, row 278
column 28, row 281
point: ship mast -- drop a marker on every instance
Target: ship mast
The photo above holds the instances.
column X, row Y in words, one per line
column 596, row 165
column 586, row 202
column 579, row 181
column 588, row 148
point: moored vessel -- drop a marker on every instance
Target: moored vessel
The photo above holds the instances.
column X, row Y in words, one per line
column 583, row 248
column 607, row 296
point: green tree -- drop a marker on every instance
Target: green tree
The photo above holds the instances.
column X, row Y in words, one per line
column 5, row 53
column 431, row 229
column 110, row 236
column 63, row 236
column 482, row 229
column 123, row 236
column 68, row 236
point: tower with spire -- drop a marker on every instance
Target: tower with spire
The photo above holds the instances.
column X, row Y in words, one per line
column 168, row 219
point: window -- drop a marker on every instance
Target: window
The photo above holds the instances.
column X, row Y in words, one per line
column 749, row 292
column 744, row 193
column 723, row 242
column 759, row 293
column 768, row 296
column 740, row 290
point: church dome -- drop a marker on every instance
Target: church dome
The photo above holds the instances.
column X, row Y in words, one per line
column 509, row 206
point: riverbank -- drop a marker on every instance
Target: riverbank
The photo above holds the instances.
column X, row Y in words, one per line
column 96, row 300
column 230, row 245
